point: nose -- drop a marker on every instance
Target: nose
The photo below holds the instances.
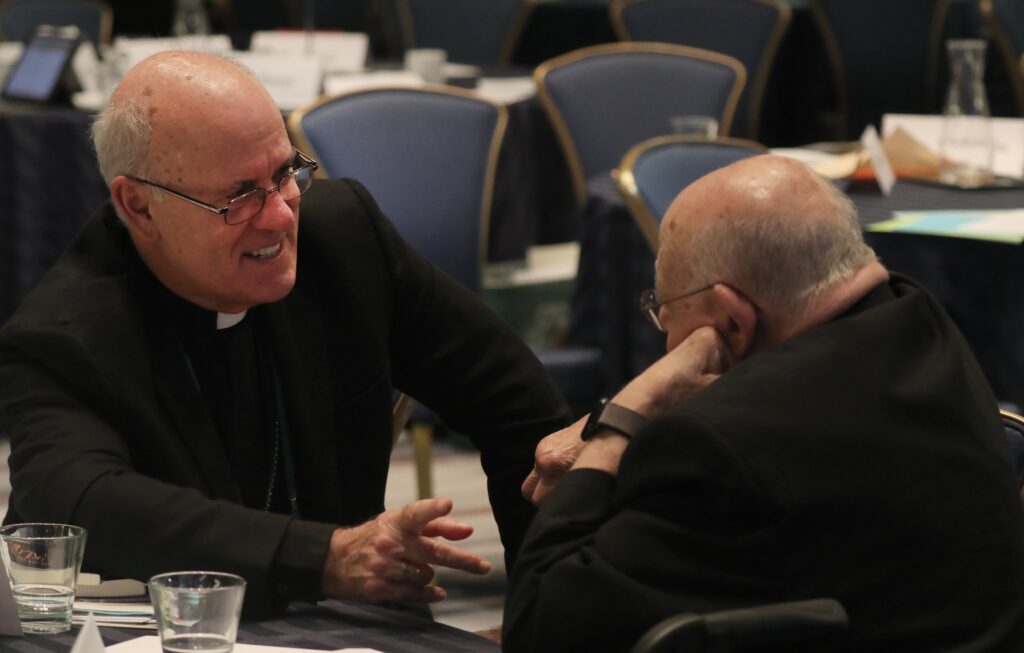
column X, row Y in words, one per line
column 277, row 214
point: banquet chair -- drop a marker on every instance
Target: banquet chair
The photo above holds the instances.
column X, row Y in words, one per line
column 779, row 625
column 652, row 173
column 604, row 99
column 884, row 57
column 1005, row 19
column 470, row 31
column 749, row 30
column 428, row 156
column 1014, row 426
column 19, row 18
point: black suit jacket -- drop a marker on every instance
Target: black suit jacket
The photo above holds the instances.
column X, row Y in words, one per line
column 109, row 430
column 862, row 460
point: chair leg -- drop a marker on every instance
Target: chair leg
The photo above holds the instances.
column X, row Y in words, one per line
column 422, row 438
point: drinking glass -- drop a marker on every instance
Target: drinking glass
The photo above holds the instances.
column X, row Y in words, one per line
column 197, row 610
column 42, row 563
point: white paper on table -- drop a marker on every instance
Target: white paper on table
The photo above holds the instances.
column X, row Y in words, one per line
column 338, row 84
column 338, row 51
column 1007, row 138
column 9, row 622
column 1010, row 222
column 293, row 80
column 151, row 644
column 116, row 614
column 87, row 67
column 88, row 640
column 506, row 90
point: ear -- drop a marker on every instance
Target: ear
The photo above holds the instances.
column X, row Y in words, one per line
column 133, row 200
column 735, row 319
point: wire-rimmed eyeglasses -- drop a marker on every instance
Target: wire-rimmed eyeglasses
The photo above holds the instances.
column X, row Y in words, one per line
column 650, row 303
column 245, row 207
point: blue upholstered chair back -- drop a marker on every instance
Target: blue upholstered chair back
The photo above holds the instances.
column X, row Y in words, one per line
column 1006, row 22
column 1014, row 425
column 884, row 57
column 749, row 30
column 470, row 31
column 19, row 18
column 604, row 99
column 426, row 155
column 655, row 171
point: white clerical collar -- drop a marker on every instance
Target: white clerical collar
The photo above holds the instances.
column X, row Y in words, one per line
column 228, row 320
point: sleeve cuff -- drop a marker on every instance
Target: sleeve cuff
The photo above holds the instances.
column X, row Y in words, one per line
column 583, row 494
column 299, row 563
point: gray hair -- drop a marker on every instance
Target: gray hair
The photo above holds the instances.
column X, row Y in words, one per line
column 784, row 259
column 121, row 135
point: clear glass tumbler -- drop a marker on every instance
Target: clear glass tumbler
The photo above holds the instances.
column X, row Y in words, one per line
column 197, row 610
column 43, row 561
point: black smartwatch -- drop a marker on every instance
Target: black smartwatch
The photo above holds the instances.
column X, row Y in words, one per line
column 612, row 417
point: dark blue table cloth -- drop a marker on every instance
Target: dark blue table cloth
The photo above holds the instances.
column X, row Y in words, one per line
column 327, row 626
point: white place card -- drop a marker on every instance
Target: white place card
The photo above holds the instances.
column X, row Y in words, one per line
column 1007, row 138
column 879, row 161
column 88, row 640
column 293, row 80
column 338, row 51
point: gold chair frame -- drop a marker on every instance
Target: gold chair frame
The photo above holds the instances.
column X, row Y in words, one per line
column 1014, row 64
column 422, row 433
column 558, row 121
column 106, row 22
column 1019, row 420
column 758, row 78
column 408, row 30
column 626, row 181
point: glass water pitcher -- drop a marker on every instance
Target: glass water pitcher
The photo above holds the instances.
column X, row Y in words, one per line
column 190, row 18
column 967, row 141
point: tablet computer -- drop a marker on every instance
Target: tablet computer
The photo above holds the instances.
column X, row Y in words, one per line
column 43, row 73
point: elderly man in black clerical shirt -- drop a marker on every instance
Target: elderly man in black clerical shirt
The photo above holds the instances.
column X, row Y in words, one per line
column 818, row 428
column 200, row 392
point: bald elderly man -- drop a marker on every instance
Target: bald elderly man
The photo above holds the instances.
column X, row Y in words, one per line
column 200, row 391
column 818, row 428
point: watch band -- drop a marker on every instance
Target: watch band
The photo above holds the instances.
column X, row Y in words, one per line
column 613, row 417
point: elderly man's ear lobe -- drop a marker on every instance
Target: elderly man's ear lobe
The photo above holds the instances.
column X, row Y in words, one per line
column 132, row 202
column 736, row 320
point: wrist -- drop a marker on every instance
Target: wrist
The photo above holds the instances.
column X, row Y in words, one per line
column 603, row 452
column 639, row 402
column 610, row 416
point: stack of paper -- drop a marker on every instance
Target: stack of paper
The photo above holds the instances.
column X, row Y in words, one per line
column 115, row 613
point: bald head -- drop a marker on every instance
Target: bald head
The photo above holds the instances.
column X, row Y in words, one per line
column 769, row 226
column 173, row 105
